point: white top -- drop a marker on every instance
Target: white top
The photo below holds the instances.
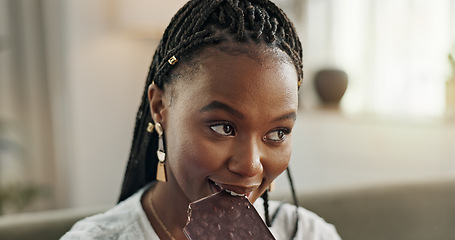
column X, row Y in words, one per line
column 127, row 220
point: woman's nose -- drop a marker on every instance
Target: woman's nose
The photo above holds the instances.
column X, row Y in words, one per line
column 246, row 159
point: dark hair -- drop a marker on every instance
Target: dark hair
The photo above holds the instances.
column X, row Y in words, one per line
column 198, row 24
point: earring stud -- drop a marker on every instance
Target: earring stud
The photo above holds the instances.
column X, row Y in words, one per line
column 271, row 186
column 150, row 127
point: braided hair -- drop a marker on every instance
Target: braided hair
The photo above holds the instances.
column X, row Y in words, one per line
column 201, row 23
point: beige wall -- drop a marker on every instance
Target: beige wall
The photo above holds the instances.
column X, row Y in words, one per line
column 333, row 151
column 105, row 68
column 106, row 72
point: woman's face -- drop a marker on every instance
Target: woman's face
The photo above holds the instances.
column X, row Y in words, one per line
column 228, row 123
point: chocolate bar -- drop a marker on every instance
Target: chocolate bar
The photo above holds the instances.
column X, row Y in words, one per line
column 223, row 216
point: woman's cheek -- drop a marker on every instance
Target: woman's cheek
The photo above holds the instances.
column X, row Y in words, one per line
column 205, row 155
column 279, row 160
column 218, row 153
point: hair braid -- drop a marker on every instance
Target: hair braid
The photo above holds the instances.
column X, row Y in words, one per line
column 274, row 26
column 222, row 17
column 178, row 20
column 239, row 25
column 296, row 203
column 200, row 21
column 259, row 25
column 250, row 14
column 197, row 24
column 265, row 197
column 191, row 26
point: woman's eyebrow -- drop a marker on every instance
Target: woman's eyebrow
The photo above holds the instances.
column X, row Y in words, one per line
column 214, row 105
column 291, row 115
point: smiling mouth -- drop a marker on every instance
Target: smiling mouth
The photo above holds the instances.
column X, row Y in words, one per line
column 215, row 187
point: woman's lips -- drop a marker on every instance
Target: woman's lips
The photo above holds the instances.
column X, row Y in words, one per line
column 232, row 189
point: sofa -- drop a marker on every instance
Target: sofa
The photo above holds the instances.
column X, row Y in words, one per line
column 43, row 225
column 408, row 211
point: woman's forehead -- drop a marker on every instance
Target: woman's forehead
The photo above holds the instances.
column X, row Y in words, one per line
column 238, row 78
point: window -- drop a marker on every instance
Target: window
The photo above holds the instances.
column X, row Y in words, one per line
column 395, row 52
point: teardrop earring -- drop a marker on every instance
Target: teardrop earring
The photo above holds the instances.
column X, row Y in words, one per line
column 161, row 168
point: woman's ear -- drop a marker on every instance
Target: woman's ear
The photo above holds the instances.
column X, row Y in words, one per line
column 156, row 101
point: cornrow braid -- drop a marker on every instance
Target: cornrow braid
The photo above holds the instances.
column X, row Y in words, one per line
column 201, row 23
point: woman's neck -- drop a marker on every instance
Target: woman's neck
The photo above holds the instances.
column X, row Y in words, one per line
column 170, row 209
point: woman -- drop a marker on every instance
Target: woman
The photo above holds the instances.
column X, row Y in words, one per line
column 217, row 113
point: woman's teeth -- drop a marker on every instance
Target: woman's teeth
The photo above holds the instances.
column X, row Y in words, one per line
column 231, row 192
column 234, row 193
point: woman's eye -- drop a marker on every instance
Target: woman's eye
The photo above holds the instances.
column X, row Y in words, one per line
column 277, row 136
column 223, row 129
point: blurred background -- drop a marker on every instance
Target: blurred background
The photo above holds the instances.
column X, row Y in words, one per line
column 72, row 73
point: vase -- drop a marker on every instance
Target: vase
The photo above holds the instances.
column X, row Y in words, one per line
column 330, row 85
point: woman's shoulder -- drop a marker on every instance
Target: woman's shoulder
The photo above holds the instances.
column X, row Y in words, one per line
column 127, row 220
column 288, row 219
